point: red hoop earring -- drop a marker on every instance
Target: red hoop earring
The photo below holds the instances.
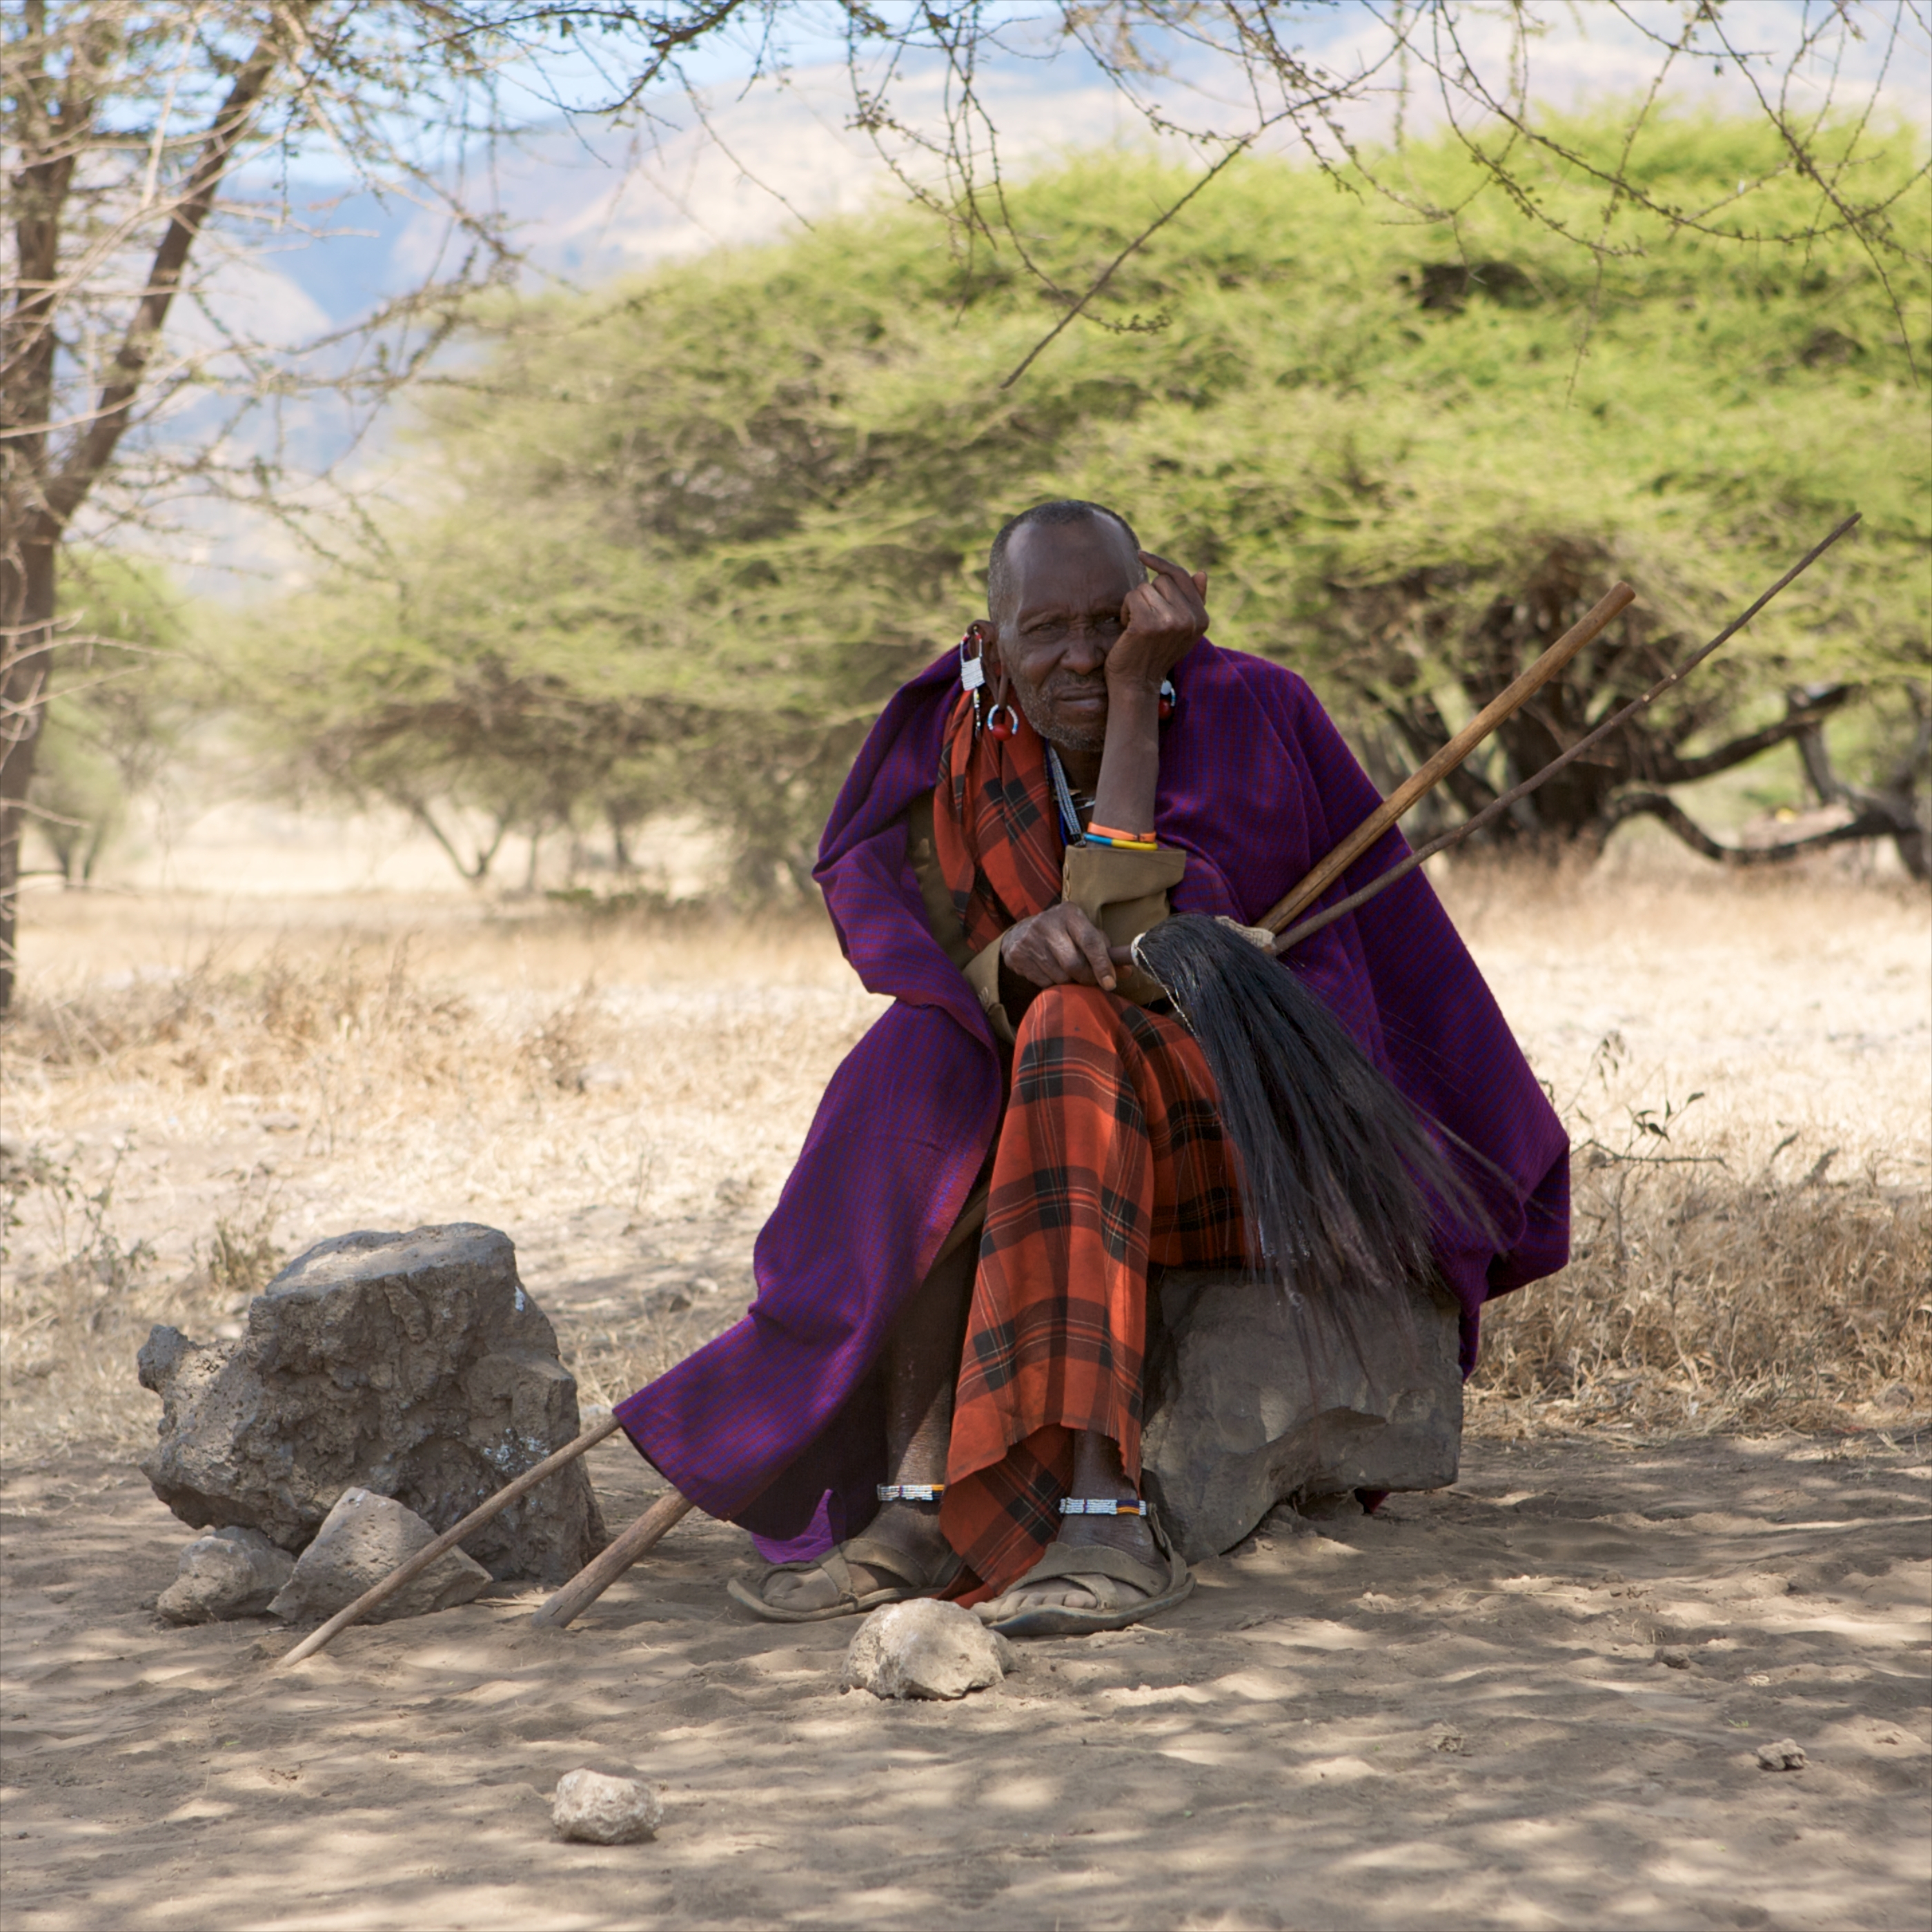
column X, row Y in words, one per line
column 1002, row 722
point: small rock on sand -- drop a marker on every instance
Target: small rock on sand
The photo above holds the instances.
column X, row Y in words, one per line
column 361, row 1540
column 227, row 1573
column 926, row 1648
column 1785, row 1755
column 601, row 1810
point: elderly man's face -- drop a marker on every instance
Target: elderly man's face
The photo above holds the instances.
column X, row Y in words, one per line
column 1066, row 583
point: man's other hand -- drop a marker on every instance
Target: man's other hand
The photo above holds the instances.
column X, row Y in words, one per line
column 1059, row 947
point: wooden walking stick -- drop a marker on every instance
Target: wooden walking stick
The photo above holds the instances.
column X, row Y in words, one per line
column 597, row 1576
column 1278, row 918
column 1587, row 628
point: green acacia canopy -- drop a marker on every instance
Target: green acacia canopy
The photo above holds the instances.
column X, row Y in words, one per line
column 698, row 526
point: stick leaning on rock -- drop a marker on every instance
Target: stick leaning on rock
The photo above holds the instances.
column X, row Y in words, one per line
column 491, row 1507
column 597, row 1576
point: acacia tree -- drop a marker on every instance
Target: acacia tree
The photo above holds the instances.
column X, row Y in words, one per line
column 758, row 547
column 139, row 134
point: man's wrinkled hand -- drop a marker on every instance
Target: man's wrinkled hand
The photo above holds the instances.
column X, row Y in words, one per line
column 1164, row 618
column 1059, row 947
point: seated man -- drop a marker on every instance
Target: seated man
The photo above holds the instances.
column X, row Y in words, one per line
column 901, row 1414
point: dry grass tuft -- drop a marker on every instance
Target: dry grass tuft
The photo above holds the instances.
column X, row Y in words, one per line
column 1702, row 1301
column 75, row 1310
column 240, row 1030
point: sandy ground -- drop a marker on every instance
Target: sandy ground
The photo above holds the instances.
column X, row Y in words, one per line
column 1454, row 1714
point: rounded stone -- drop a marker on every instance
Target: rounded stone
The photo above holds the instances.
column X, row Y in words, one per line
column 926, row 1648
column 598, row 1810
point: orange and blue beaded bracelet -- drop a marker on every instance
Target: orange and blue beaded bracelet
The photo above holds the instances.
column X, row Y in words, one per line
column 1121, row 842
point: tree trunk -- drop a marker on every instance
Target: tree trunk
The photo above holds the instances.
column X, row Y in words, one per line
column 39, row 500
column 27, row 588
column 44, row 129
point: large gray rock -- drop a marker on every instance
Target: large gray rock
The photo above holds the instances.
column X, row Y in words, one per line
column 362, row 1540
column 225, row 1574
column 926, row 1648
column 1258, row 1397
column 411, row 1364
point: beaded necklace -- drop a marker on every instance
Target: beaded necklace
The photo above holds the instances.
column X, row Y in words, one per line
column 1073, row 828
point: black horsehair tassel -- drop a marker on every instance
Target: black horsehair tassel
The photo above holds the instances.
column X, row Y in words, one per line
column 1337, row 1172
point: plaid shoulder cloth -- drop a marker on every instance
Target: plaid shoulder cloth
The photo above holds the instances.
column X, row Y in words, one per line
column 995, row 831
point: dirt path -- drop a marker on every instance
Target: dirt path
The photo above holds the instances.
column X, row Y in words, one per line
column 1451, row 1716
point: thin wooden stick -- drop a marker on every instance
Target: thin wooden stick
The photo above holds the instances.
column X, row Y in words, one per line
column 1617, row 600
column 597, row 1576
column 1495, row 809
column 404, row 1573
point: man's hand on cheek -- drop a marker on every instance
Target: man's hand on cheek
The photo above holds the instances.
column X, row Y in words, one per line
column 1163, row 619
column 1059, row 947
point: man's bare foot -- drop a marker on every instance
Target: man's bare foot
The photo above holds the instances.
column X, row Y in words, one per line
column 911, row 1527
column 1130, row 1533
column 1098, row 1475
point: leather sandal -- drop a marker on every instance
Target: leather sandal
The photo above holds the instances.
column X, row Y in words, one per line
column 836, row 1563
column 1100, row 1571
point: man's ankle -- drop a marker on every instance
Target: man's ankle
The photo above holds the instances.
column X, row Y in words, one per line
column 902, row 1521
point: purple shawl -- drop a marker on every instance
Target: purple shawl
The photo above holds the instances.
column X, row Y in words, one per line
column 778, row 1423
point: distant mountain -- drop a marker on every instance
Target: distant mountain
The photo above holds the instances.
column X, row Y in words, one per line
column 588, row 202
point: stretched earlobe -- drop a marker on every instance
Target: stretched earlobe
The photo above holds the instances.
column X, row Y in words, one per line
column 1003, row 721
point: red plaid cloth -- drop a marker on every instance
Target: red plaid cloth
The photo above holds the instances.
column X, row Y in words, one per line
column 996, row 828
column 1111, row 1160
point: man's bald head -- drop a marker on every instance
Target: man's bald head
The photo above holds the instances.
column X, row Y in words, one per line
column 1061, row 511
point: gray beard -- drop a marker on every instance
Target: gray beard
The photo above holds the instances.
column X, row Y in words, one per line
column 1037, row 716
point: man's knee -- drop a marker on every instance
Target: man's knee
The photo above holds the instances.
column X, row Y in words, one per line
column 1056, row 1011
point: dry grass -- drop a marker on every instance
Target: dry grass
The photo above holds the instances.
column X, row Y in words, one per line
column 188, row 1101
column 1707, row 1294
column 217, row 1102
column 1743, row 1065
